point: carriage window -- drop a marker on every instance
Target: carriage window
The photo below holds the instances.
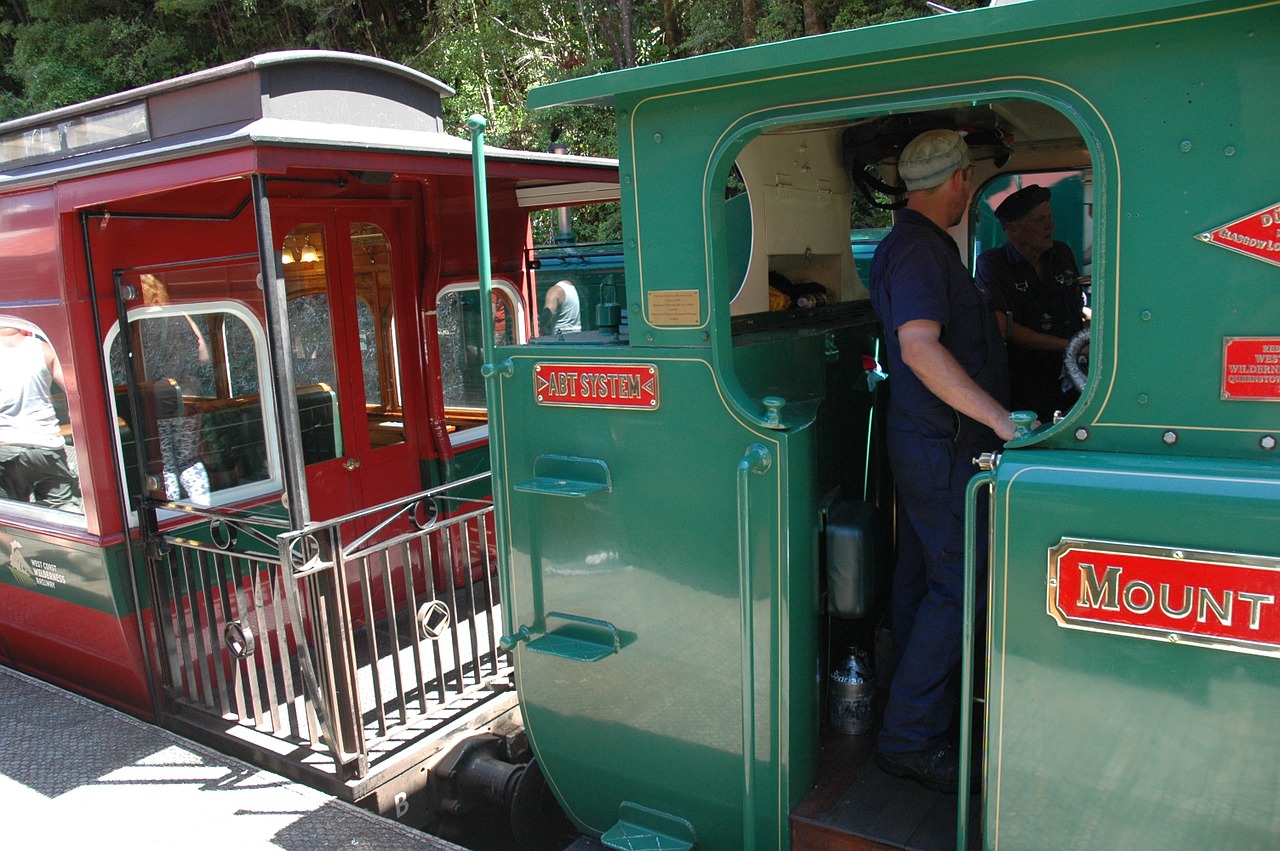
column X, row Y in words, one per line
column 315, row 371
column 462, row 349
column 375, row 317
column 371, row 268
column 199, row 370
column 37, row 455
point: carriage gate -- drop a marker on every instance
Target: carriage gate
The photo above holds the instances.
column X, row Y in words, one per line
column 344, row 641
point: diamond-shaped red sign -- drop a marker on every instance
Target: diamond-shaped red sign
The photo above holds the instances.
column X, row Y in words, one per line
column 1257, row 235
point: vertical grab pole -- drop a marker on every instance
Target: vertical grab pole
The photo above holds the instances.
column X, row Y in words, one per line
column 476, row 125
column 978, row 482
column 491, row 372
column 756, row 460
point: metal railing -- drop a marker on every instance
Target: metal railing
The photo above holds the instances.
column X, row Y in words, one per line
column 352, row 637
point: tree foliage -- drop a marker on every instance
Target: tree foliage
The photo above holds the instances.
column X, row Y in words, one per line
column 58, row 52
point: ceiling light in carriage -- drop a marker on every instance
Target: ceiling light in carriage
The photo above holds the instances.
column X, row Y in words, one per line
column 309, row 253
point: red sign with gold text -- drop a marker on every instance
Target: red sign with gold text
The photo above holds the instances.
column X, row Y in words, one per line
column 597, row 385
column 1257, row 235
column 1219, row 600
column 1251, row 368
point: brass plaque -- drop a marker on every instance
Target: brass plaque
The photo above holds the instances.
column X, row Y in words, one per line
column 675, row 307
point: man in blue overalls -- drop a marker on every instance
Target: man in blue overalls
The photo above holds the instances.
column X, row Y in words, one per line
column 1035, row 287
column 947, row 404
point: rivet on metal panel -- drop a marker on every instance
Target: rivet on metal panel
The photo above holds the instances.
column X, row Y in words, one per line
column 1142, row 398
column 1082, row 434
column 1185, row 146
column 1268, row 442
column 1170, row 438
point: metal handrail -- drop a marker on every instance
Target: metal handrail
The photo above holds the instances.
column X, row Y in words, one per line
column 755, row 461
column 981, row 480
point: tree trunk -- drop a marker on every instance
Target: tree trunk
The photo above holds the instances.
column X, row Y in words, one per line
column 671, row 35
column 628, row 40
column 813, row 23
column 750, row 12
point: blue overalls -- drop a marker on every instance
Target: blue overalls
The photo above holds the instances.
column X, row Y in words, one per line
column 917, row 273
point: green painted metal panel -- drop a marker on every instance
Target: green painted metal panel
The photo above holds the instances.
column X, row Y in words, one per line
column 653, row 562
column 1107, row 739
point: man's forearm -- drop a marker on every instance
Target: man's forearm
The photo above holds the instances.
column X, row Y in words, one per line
column 944, row 378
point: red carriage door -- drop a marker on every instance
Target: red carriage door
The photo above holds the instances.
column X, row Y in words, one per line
column 351, row 318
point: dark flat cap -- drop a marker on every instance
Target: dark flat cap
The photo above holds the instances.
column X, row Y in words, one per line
column 1021, row 202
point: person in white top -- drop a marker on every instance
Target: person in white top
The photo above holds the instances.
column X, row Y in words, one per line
column 33, row 457
column 561, row 313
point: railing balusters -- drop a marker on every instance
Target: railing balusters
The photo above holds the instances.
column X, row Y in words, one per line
column 310, row 675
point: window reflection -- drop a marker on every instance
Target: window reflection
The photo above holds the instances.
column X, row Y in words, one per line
column 458, row 321
column 199, row 392
column 315, row 372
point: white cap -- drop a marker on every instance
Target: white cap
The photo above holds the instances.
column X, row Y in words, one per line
column 931, row 158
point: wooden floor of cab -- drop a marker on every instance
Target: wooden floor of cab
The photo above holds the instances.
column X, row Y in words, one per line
column 858, row 807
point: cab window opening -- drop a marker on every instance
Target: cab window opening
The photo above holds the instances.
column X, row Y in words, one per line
column 800, row 232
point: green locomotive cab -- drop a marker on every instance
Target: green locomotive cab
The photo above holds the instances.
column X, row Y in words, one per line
column 671, row 499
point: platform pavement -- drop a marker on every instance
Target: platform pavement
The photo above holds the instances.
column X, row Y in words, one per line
column 75, row 774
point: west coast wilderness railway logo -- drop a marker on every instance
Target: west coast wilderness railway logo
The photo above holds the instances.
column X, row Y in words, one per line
column 1223, row 601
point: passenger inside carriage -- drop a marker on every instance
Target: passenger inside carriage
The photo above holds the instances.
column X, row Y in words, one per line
column 34, row 460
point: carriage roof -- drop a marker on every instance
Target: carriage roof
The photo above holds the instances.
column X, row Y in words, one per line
column 304, row 98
